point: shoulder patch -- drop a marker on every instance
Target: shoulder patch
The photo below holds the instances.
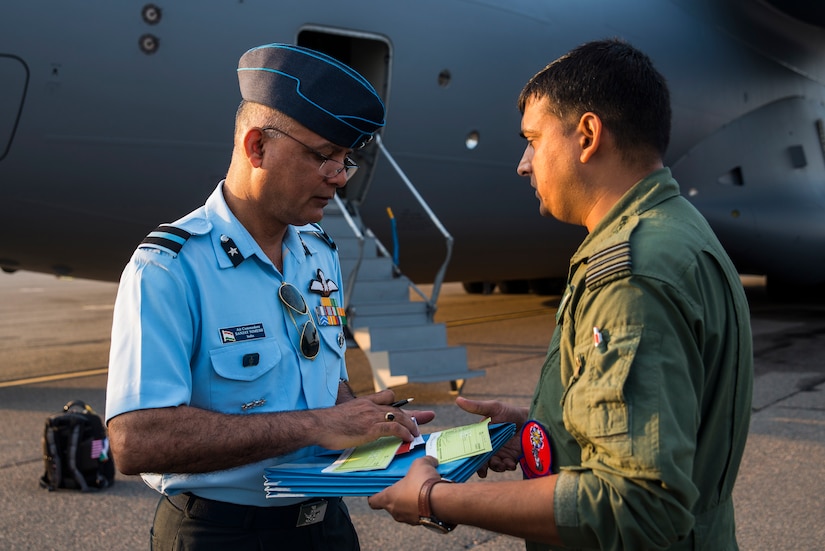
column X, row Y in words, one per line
column 168, row 237
column 318, row 231
column 612, row 261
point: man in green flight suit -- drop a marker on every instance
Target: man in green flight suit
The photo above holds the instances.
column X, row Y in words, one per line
column 644, row 397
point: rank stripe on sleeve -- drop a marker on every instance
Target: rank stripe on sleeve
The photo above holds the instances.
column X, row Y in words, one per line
column 612, row 260
column 168, row 237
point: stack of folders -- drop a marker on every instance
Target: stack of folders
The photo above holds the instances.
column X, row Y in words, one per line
column 368, row 469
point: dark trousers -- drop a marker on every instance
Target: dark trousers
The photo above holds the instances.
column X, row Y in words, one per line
column 195, row 524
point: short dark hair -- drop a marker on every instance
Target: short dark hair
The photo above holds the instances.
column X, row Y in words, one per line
column 615, row 81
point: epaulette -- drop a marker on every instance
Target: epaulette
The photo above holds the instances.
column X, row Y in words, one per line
column 168, row 237
column 613, row 261
column 321, row 234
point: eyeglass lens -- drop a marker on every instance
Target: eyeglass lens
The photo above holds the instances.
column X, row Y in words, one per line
column 348, row 167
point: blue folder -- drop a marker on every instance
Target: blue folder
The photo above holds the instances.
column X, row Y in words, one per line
column 307, row 479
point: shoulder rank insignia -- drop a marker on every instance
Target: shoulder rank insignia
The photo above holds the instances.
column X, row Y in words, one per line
column 231, row 250
column 322, row 286
column 168, row 237
column 612, row 261
column 324, row 235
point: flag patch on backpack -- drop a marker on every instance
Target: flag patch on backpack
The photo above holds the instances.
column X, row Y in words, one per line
column 76, row 450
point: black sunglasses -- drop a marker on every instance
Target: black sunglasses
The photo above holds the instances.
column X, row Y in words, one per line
column 294, row 301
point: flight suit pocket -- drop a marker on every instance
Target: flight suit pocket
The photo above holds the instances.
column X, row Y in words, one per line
column 595, row 406
column 244, row 373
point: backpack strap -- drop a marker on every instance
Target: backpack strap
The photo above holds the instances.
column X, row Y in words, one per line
column 73, row 442
column 54, row 469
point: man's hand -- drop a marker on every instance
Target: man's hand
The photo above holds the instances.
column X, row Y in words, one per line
column 507, row 457
column 401, row 499
column 365, row 419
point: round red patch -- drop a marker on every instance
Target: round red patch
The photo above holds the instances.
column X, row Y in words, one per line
column 535, row 447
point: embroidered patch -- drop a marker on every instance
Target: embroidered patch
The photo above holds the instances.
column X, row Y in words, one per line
column 329, row 313
column 322, row 285
column 610, row 261
column 535, row 448
column 242, row 333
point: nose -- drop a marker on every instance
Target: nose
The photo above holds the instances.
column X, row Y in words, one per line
column 525, row 166
column 339, row 180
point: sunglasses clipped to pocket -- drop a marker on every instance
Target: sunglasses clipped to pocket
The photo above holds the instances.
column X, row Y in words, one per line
column 294, row 301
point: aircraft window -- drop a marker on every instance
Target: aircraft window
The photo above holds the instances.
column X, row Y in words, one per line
column 797, row 155
column 149, row 44
column 151, row 14
column 472, row 140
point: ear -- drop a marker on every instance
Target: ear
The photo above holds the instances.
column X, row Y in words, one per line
column 253, row 146
column 590, row 135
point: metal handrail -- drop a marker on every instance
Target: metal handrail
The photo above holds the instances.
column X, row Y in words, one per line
column 360, row 236
column 439, row 278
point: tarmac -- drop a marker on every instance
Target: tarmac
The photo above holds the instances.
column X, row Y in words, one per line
column 54, row 341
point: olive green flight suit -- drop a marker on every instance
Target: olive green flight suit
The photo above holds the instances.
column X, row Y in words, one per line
column 646, row 388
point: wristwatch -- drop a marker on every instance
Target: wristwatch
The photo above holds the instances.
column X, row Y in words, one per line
column 425, row 515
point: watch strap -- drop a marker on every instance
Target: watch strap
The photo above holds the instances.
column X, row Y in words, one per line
column 425, row 512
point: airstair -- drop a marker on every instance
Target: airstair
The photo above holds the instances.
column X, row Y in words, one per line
column 389, row 317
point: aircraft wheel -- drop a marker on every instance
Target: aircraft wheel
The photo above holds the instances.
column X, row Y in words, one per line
column 779, row 289
column 514, row 287
column 478, row 287
column 547, row 286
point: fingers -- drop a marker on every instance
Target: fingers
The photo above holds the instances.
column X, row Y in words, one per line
column 486, row 408
column 384, row 397
column 499, row 412
column 398, row 423
column 422, row 417
column 401, row 499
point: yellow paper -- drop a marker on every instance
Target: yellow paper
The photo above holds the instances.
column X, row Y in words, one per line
column 375, row 455
column 460, row 442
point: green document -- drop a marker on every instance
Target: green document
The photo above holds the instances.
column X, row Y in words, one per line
column 460, row 442
column 375, row 455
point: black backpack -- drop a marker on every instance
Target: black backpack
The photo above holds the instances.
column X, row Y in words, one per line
column 76, row 450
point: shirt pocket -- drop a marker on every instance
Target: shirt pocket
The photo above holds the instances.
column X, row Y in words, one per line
column 596, row 408
column 244, row 377
column 333, row 352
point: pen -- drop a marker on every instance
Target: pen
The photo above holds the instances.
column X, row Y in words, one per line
column 400, row 403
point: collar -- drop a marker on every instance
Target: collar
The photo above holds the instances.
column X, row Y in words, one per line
column 231, row 240
column 618, row 223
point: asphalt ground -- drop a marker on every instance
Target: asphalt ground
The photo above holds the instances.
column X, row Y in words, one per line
column 54, row 340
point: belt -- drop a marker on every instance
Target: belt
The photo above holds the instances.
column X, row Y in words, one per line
column 251, row 517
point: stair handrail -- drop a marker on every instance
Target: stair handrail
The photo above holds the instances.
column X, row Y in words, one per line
column 439, row 277
column 360, row 236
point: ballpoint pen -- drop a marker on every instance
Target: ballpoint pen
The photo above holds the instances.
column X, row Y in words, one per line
column 400, row 403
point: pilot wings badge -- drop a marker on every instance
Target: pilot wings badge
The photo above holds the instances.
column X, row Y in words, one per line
column 322, row 286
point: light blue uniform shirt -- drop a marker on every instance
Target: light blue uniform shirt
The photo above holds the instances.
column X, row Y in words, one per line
column 187, row 326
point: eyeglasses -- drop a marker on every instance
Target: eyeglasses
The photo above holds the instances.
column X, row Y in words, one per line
column 294, row 301
column 329, row 168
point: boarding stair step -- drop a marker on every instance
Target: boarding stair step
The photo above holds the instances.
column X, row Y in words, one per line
column 396, row 333
column 416, row 337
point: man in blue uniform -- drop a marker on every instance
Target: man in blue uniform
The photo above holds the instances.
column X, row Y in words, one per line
column 639, row 420
column 227, row 348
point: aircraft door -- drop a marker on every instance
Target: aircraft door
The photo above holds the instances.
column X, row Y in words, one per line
column 14, row 78
column 369, row 55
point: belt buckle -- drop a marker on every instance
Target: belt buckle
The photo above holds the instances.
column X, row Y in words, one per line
column 312, row 512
